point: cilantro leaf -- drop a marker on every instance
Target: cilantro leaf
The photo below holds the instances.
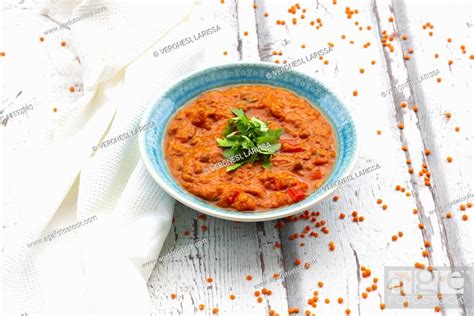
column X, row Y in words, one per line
column 251, row 139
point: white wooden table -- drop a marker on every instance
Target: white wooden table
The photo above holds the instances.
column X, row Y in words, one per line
column 232, row 251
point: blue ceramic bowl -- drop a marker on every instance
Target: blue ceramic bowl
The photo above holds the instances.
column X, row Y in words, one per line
column 179, row 94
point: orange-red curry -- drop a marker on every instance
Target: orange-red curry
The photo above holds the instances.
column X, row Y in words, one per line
column 307, row 154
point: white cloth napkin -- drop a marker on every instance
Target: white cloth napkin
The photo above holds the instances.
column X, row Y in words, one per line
column 54, row 179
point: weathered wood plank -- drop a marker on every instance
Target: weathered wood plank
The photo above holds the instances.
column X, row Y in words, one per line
column 233, row 250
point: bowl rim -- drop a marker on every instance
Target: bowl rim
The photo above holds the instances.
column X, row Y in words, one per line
column 236, row 215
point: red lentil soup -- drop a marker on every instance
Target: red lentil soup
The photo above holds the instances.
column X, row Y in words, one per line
column 304, row 161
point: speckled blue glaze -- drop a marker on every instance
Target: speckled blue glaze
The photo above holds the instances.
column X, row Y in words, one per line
column 151, row 140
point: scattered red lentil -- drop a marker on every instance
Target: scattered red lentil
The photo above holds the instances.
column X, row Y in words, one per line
column 41, row 39
column 450, row 159
column 355, row 93
column 215, row 310
column 71, row 89
column 465, row 217
column 209, row 280
column 332, row 246
column 249, row 277
column 63, row 44
column 173, row 296
column 201, row 307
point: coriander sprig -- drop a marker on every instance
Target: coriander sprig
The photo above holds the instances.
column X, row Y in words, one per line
column 249, row 140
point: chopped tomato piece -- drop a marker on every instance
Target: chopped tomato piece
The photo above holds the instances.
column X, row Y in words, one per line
column 296, row 195
column 317, row 175
column 320, row 161
column 290, row 146
column 232, row 197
